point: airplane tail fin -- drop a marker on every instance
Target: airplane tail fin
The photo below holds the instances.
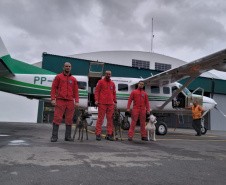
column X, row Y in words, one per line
column 3, row 50
column 4, row 55
column 10, row 66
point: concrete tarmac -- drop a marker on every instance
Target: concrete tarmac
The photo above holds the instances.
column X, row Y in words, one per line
column 27, row 157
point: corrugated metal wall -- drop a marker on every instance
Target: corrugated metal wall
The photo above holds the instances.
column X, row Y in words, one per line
column 218, row 121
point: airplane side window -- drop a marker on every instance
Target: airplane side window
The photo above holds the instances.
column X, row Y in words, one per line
column 123, row 87
column 155, row 89
column 185, row 90
column 166, row 90
column 81, row 85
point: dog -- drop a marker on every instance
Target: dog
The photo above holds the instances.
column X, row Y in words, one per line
column 150, row 128
column 117, row 124
column 82, row 124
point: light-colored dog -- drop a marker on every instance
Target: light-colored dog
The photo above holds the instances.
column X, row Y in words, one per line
column 150, row 128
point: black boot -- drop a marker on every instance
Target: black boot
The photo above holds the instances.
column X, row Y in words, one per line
column 110, row 137
column 55, row 133
column 144, row 139
column 68, row 133
column 98, row 137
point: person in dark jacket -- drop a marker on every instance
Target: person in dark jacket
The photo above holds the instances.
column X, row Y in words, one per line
column 65, row 97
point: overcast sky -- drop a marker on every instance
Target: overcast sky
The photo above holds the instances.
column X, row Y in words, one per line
column 183, row 29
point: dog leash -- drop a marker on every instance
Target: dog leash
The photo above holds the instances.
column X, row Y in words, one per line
column 175, row 126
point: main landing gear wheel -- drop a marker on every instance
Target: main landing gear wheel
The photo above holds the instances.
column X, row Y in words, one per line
column 161, row 128
column 203, row 130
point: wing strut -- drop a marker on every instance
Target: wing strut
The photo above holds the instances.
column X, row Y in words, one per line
column 178, row 91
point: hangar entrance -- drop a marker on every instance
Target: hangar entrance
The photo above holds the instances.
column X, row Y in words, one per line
column 95, row 74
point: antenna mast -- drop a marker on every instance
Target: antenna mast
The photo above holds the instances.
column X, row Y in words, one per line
column 152, row 36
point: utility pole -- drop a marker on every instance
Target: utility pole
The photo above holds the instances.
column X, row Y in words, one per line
column 152, row 36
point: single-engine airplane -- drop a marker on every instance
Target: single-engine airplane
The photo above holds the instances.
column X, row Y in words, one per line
column 33, row 82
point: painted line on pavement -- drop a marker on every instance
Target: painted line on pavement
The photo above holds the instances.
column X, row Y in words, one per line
column 167, row 139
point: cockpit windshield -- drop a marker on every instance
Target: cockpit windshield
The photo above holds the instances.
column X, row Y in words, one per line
column 185, row 90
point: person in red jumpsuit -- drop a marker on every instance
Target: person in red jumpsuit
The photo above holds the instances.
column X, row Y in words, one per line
column 105, row 98
column 63, row 92
column 140, row 104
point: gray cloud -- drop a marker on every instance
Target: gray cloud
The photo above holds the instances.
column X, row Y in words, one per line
column 183, row 29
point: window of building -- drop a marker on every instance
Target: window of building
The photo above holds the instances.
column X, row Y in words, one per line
column 166, row 90
column 140, row 64
column 122, row 87
column 155, row 89
column 81, row 85
column 162, row 67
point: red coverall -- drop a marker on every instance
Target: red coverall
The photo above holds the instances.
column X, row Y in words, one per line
column 105, row 94
column 67, row 89
column 140, row 100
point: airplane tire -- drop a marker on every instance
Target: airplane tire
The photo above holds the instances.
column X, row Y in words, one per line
column 203, row 130
column 161, row 128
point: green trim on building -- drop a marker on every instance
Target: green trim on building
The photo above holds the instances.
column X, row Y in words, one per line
column 81, row 67
column 206, row 84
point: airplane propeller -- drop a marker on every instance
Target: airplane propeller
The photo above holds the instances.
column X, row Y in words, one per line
column 212, row 88
column 219, row 111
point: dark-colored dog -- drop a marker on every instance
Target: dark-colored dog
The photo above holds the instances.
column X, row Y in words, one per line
column 82, row 124
column 117, row 124
column 125, row 122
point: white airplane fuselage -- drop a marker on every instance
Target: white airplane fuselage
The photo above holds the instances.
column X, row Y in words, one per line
column 39, row 87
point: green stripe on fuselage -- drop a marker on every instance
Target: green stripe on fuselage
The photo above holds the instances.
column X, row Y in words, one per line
column 150, row 97
column 13, row 86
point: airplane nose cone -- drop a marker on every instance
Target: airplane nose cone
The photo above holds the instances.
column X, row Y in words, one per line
column 213, row 103
column 208, row 103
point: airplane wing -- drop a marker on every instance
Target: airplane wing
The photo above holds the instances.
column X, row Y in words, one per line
column 4, row 69
column 193, row 69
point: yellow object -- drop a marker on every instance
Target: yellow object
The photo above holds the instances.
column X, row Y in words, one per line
column 196, row 112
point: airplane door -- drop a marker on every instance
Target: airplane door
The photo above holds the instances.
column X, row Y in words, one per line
column 194, row 97
column 96, row 69
column 95, row 74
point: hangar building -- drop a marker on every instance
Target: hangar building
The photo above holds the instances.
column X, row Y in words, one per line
column 142, row 65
